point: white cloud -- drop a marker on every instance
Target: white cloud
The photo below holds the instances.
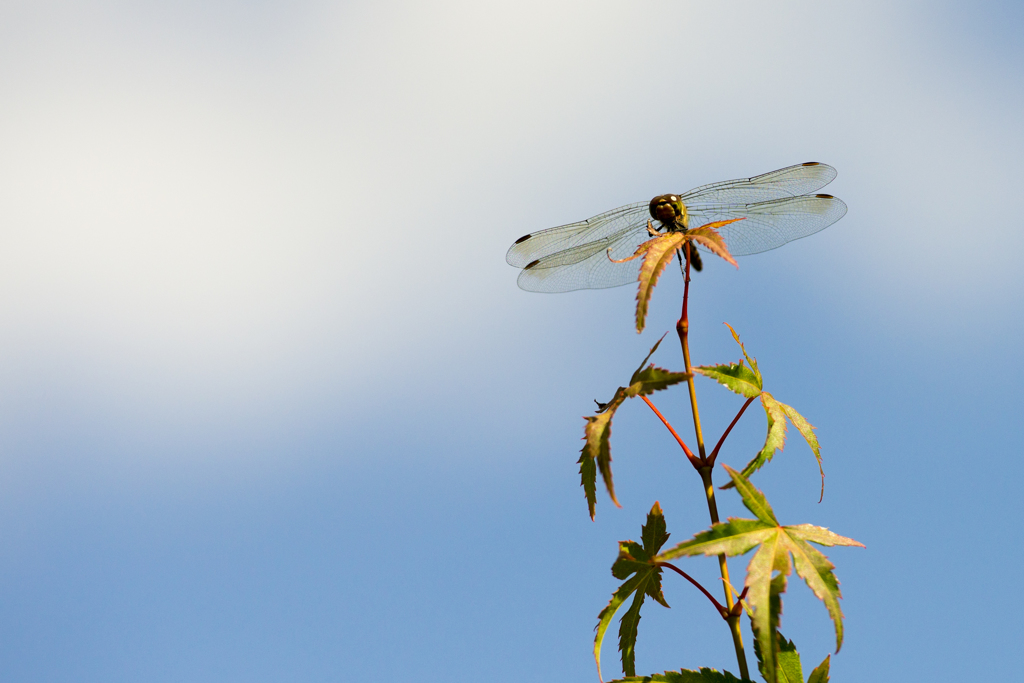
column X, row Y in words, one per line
column 260, row 200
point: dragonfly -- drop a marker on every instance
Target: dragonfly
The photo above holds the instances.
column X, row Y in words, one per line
column 776, row 208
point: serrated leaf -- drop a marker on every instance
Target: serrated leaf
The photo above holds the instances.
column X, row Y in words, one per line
column 815, row 569
column 753, row 499
column 596, row 455
column 736, row 377
column 780, row 549
column 647, row 358
column 635, row 560
column 731, row 537
column 763, row 598
column 807, row 431
column 627, row 633
column 658, row 253
column 597, row 446
column 787, row 661
column 776, row 411
column 606, row 615
column 653, row 533
column 588, row 477
column 787, row 668
column 705, row 675
column 820, row 535
column 652, row 379
column 752, row 361
column 775, row 440
column 820, row 673
column 707, row 236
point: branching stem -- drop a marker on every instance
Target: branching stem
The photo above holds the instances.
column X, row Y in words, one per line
column 718, row 446
column 721, row 610
column 694, row 460
column 683, row 328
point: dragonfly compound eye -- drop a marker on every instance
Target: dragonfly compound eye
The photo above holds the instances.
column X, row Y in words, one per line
column 666, row 208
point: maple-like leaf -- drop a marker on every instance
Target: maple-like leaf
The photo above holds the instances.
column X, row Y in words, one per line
column 779, row 549
column 642, row 577
column 746, row 380
column 705, row 675
column 659, row 251
column 777, row 412
column 596, row 455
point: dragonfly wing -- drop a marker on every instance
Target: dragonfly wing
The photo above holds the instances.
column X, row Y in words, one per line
column 786, row 182
column 538, row 245
column 587, row 266
column 771, row 224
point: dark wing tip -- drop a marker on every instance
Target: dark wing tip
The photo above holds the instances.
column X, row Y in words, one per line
column 809, row 163
column 532, row 263
column 523, row 238
column 824, row 196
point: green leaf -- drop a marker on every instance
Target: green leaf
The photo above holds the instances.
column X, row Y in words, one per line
column 705, row 675
column 596, row 455
column 605, row 617
column 807, row 431
column 820, row 673
column 653, row 534
column 642, row 577
column 753, row 499
column 787, row 661
column 588, row 477
column 775, row 440
column 749, row 382
column 731, row 537
column 788, row 669
column 736, row 377
column 814, row 568
column 653, row 379
column 597, row 450
column 627, row 634
column 763, row 598
column 752, row 361
column 647, row 358
column 780, row 549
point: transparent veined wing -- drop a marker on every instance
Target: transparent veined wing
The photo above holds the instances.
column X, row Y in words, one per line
column 538, row 245
column 588, row 265
column 778, row 207
column 791, row 181
column 770, row 224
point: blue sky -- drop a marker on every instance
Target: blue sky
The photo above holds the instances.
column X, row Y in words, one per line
column 273, row 408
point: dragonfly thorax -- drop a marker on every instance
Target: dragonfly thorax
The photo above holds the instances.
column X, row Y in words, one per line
column 670, row 211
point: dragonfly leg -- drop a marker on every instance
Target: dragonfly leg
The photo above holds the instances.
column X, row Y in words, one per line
column 695, row 261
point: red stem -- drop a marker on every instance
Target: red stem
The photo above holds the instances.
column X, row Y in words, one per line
column 686, row 287
column 694, row 460
column 714, row 453
column 721, row 610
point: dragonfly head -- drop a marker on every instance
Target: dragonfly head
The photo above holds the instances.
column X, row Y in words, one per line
column 670, row 210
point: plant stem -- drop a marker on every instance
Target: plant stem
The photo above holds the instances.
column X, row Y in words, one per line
column 718, row 446
column 689, row 454
column 723, row 568
column 721, row 610
column 683, row 328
